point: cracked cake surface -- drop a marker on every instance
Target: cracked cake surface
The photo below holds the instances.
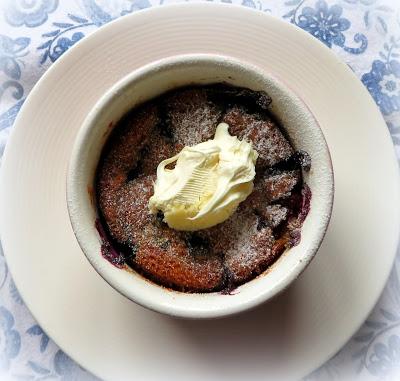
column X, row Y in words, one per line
column 224, row 256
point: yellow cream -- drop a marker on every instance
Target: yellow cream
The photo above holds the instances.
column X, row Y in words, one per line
column 207, row 184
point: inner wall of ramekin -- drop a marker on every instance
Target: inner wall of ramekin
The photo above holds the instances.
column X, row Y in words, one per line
column 148, row 83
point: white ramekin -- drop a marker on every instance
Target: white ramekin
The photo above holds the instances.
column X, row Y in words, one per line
column 149, row 82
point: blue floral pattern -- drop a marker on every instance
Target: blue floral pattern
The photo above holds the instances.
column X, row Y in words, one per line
column 58, row 41
column 10, row 339
column 326, row 23
column 394, row 132
column 7, row 118
column 63, row 364
column 366, row 35
column 31, row 13
column 383, row 80
column 378, row 340
column 11, row 53
column 63, row 44
column 36, row 330
column 385, row 358
column 376, row 14
column 136, row 6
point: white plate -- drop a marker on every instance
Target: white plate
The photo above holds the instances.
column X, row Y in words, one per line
column 114, row 338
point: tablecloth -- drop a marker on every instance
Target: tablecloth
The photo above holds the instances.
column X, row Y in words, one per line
column 35, row 33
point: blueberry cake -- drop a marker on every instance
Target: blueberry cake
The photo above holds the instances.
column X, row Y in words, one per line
column 231, row 253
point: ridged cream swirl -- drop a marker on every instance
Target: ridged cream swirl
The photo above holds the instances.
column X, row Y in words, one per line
column 207, row 184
